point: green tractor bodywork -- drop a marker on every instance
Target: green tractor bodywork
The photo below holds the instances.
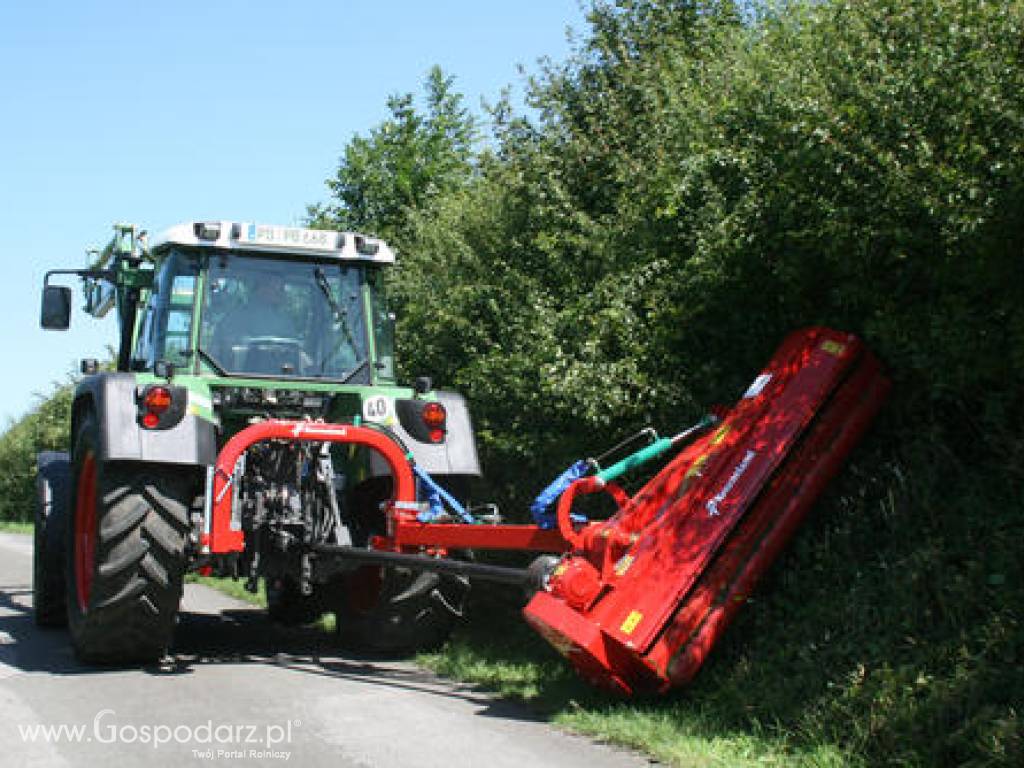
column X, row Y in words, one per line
column 223, row 324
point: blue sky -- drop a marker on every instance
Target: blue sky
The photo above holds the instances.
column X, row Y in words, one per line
column 156, row 113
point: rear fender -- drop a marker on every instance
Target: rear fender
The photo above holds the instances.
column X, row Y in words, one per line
column 455, row 456
column 112, row 396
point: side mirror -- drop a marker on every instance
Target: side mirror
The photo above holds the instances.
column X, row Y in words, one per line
column 56, row 310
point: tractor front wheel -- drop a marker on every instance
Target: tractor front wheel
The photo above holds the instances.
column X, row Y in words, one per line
column 125, row 553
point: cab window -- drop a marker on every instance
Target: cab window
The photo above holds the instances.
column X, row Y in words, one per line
column 172, row 309
column 143, row 356
column 284, row 318
column 383, row 327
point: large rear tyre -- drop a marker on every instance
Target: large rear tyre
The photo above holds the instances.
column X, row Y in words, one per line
column 125, row 553
column 53, row 472
column 392, row 611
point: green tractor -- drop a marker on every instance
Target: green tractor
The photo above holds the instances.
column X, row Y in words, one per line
column 224, row 325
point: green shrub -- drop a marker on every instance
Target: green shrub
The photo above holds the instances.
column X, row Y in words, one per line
column 44, row 428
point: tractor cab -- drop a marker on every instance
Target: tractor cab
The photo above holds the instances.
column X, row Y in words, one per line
column 242, row 300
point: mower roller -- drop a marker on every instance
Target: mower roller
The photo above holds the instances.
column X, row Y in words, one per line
column 637, row 601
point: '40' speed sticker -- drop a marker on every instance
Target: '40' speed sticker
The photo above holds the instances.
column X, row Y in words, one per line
column 378, row 408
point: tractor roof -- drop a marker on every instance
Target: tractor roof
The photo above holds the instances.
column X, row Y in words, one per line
column 269, row 238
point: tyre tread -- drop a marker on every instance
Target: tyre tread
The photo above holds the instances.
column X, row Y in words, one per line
column 53, row 479
column 142, row 512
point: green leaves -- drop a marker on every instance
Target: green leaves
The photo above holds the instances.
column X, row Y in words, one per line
column 45, row 428
column 409, row 159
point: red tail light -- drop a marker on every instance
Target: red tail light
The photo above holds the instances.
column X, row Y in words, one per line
column 434, row 417
column 155, row 402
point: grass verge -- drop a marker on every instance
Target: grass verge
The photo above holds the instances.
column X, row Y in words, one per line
column 891, row 633
column 14, row 526
column 497, row 651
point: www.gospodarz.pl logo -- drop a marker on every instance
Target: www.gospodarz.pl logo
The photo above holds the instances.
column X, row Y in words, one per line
column 210, row 740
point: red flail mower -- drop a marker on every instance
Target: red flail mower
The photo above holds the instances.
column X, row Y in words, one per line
column 637, row 601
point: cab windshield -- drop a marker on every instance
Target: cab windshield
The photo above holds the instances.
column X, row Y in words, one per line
column 267, row 317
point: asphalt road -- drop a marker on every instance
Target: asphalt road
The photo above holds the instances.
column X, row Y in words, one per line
column 239, row 691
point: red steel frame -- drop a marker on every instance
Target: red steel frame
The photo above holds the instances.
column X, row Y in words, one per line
column 224, row 537
column 406, row 532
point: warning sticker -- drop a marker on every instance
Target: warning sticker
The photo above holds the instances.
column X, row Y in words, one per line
column 833, row 347
column 631, row 623
column 720, row 434
column 695, row 468
column 623, row 565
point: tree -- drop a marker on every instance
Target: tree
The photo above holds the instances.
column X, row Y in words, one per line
column 411, row 158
